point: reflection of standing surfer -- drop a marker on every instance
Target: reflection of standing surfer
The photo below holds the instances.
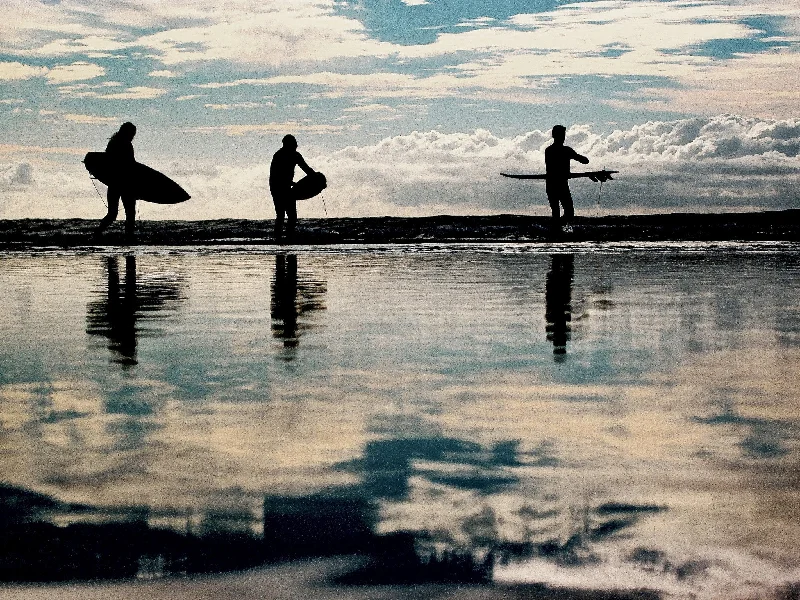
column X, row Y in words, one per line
column 119, row 313
column 120, row 149
column 556, row 160
column 281, row 177
column 293, row 297
column 558, row 303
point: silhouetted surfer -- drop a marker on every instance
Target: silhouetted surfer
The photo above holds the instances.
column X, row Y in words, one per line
column 120, row 147
column 556, row 160
column 281, row 177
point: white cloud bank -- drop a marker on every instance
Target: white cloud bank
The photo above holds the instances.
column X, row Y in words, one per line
column 715, row 164
column 701, row 164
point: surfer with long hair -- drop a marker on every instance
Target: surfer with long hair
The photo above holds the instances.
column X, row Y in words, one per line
column 556, row 160
column 281, row 177
column 120, row 148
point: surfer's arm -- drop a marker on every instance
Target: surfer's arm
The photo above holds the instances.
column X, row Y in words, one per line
column 121, row 152
column 580, row 158
column 302, row 164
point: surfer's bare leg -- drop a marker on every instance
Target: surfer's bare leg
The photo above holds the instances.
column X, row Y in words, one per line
column 569, row 208
column 279, row 215
column 112, row 196
column 555, row 210
column 130, row 217
column 291, row 220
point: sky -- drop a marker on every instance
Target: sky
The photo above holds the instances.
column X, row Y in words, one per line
column 410, row 107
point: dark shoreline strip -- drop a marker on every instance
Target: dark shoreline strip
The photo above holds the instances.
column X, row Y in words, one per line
column 16, row 234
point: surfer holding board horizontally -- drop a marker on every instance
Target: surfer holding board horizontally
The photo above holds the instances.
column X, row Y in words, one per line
column 557, row 159
column 282, row 188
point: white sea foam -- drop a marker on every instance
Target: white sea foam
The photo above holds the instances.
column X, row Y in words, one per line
column 699, row 574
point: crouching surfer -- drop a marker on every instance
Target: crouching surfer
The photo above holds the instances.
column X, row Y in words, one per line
column 556, row 160
column 281, row 177
column 120, row 148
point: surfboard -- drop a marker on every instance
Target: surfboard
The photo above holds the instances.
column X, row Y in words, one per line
column 309, row 186
column 601, row 176
column 140, row 181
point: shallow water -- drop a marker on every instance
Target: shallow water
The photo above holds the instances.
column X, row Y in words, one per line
column 605, row 417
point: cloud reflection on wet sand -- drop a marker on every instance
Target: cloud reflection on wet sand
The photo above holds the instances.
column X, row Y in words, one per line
column 657, row 451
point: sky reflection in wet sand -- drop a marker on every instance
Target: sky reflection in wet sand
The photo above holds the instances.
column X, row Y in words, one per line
column 633, row 412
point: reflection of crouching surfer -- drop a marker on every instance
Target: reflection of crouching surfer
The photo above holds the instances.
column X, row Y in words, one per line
column 281, row 177
column 120, row 147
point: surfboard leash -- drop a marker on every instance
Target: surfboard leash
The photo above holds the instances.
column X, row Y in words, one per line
column 598, row 198
column 94, row 185
column 599, row 193
column 323, row 205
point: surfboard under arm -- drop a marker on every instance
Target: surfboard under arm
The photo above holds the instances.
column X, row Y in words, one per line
column 603, row 175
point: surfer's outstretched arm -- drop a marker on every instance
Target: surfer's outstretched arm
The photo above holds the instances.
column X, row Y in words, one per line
column 580, row 158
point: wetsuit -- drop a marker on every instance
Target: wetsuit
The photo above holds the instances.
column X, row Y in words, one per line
column 122, row 151
column 281, row 177
column 556, row 160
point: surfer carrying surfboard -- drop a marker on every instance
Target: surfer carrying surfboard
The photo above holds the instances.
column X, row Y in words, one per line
column 281, row 178
column 556, row 160
column 557, row 176
column 120, row 149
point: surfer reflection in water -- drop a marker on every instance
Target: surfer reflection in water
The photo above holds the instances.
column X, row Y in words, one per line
column 281, row 177
column 558, row 303
column 556, row 160
column 120, row 147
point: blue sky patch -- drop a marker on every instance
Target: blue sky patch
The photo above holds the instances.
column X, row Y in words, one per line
column 397, row 22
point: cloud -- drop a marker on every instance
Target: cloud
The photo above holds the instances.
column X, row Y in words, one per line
column 77, row 71
column 376, row 112
column 89, row 119
column 401, row 85
column 363, row 108
column 266, row 128
column 79, row 90
column 91, row 46
column 135, row 93
column 17, row 149
column 274, row 33
column 236, row 105
column 509, row 60
column 764, row 85
column 16, row 174
column 648, row 38
column 16, row 71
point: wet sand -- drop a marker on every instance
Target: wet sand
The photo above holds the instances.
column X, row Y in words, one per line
column 761, row 226
column 302, row 581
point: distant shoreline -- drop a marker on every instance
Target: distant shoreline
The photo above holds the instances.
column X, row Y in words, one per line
column 20, row 234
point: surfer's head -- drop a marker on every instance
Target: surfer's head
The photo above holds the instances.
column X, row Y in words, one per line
column 289, row 141
column 559, row 133
column 127, row 130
